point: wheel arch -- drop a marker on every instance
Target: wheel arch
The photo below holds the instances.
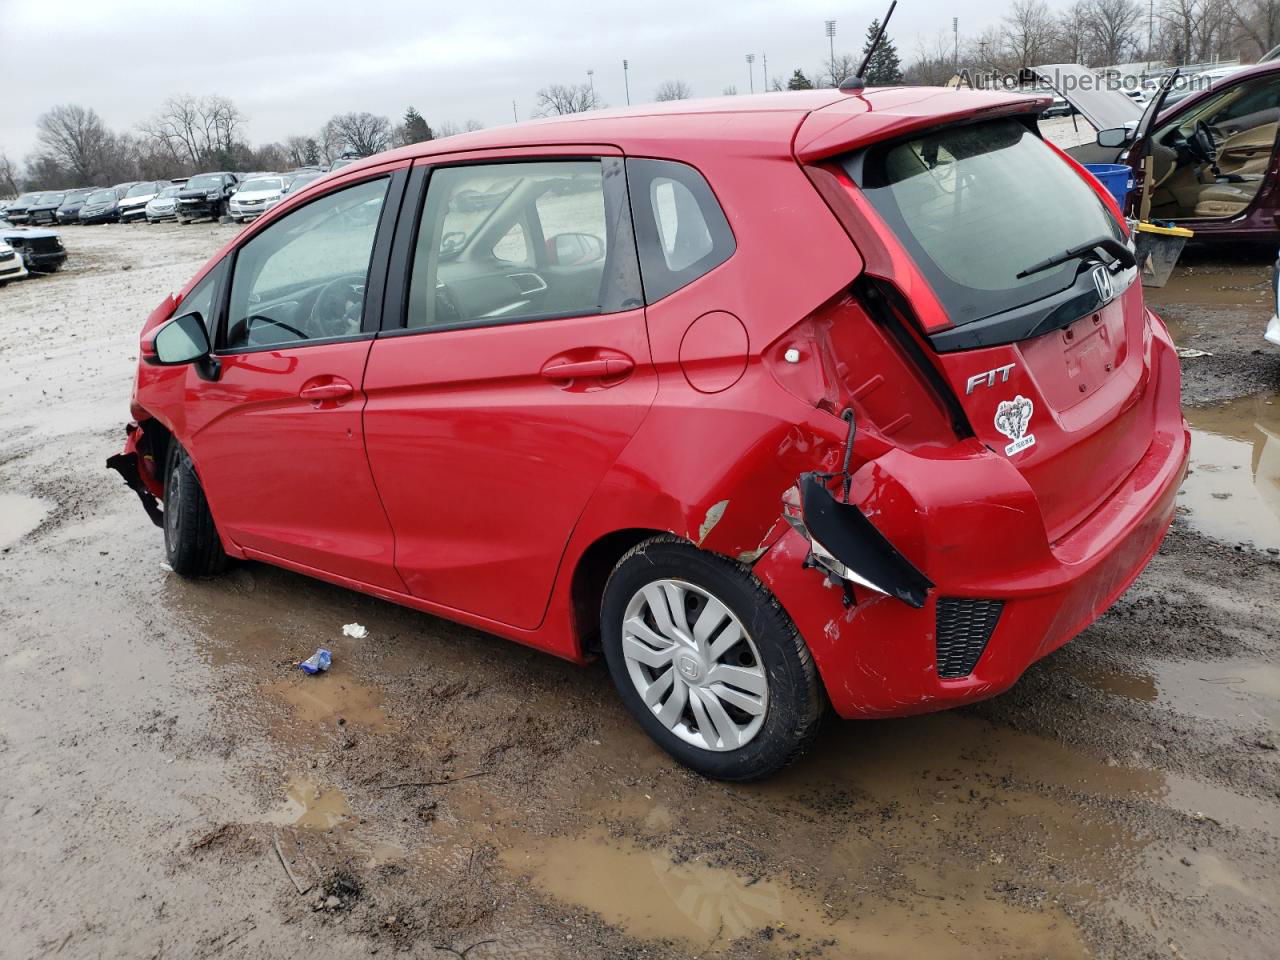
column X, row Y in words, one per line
column 590, row 574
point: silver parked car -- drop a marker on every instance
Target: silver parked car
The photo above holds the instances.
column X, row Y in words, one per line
column 164, row 205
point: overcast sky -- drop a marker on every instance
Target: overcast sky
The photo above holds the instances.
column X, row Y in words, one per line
column 291, row 65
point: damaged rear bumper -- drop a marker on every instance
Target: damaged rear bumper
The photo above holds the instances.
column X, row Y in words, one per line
column 1002, row 596
column 137, row 465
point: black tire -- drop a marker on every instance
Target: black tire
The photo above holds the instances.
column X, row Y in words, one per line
column 796, row 702
column 191, row 542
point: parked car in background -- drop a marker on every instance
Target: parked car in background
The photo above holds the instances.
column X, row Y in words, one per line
column 11, row 265
column 133, row 205
column 344, row 160
column 44, row 209
column 17, row 210
column 69, row 211
column 164, row 205
column 300, row 180
column 742, row 411
column 1214, row 153
column 41, row 250
column 101, row 206
column 206, row 195
column 254, row 197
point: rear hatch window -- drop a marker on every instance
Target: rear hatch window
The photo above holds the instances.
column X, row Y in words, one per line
column 1051, row 368
column 976, row 205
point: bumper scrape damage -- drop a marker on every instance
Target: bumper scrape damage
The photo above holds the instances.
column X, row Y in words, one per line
column 136, row 463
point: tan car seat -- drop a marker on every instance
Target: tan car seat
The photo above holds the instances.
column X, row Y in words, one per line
column 1225, row 199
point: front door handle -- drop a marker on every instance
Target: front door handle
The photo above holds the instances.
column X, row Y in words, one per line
column 336, row 390
column 591, row 369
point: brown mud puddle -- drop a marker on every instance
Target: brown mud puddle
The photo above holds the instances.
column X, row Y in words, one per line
column 1232, row 492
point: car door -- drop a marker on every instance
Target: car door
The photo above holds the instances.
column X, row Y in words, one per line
column 276, row 432
column 512, row 369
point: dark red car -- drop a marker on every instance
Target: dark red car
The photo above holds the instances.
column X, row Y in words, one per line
column 781, row 402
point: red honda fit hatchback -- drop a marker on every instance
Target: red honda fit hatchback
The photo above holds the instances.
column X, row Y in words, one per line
column 778, row 402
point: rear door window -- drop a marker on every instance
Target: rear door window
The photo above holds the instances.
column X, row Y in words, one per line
column 975, row 205
column 507, row 243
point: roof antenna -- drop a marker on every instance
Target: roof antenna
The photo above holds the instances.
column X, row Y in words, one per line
column 856, row 83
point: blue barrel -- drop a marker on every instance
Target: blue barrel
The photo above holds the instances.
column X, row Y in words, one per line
column 1113, row 176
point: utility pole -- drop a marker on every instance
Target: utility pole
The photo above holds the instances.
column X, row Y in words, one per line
column 764, row 73
column 1151, row 18
column 626, row 82
column 751, row 71
column 955, row 54
column 514, row 116
column 591, row 81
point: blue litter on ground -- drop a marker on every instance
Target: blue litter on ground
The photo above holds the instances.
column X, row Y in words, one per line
column 318, row 662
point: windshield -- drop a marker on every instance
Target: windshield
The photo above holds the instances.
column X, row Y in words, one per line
column 168, row 192
column 263, row 183
column 102, row 196
column 51, row 197
column 204, row 182
column 141, row 190
column 977, row 204
column 27, row 198
column 75, row 195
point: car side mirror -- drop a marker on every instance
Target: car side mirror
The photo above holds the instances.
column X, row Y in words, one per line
column 571, row 249
column 182, row 340
column 1115, row 137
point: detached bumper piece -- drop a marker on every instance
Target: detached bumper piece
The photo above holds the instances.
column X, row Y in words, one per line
column 964, row 627
column 847, row 544
column 130, row 463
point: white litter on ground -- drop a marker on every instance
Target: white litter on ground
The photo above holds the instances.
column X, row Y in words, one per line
column 355, row 630
column 1190, row 353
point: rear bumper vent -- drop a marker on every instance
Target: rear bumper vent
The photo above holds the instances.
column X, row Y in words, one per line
column 964, row 627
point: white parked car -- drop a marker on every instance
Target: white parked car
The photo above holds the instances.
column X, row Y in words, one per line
column 133, row 205
column 164, row 205
column 11, row 265
column 255, row 197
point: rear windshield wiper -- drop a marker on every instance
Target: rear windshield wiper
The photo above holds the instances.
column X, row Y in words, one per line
column 1110, row 244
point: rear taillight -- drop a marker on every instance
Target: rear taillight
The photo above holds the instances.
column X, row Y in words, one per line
column 840, row 356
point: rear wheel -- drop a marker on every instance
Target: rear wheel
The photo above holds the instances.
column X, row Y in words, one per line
column 708, row 662
column 191, row 543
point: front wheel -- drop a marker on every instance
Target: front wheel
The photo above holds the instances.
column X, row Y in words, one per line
column 191, row 543
column 708, row 662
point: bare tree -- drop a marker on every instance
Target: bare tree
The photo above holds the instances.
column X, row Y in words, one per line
column 1258, row 22
column 673, row 90
column 560, row 98
column 1028, row 32
column 836, row 70
column 471, row 126
column 363, row 133
column 8, row 176
column 75, row 139
column 1111, row 25
column 730, row 91
column 196, row 131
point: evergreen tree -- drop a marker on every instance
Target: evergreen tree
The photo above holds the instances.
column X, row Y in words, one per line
column 311, row 153
column 884, row 69
column 799, row 81
column 415, row 128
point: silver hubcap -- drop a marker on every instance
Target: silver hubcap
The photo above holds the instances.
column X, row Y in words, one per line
column 694, row 665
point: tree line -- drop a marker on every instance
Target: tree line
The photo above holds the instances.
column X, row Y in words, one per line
column 190, row 134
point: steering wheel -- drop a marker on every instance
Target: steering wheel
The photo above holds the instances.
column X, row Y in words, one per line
column 338, row 308
column 1203, row 143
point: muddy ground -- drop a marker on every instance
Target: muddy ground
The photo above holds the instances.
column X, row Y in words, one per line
column 442, row 793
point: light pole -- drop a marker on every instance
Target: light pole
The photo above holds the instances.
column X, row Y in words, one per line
column 591, row 82
column 514, row 116
column 831, row 42
column 764, row 73
column 751, row 71
column 955, row 34
column 626, row 83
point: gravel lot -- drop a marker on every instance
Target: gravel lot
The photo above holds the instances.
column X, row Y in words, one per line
column 443, row 793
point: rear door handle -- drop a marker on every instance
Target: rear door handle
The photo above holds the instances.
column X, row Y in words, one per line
column 610, row 367
column 336, row 389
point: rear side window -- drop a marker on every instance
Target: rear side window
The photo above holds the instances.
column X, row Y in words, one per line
column 977, row 204
column 681, row 232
